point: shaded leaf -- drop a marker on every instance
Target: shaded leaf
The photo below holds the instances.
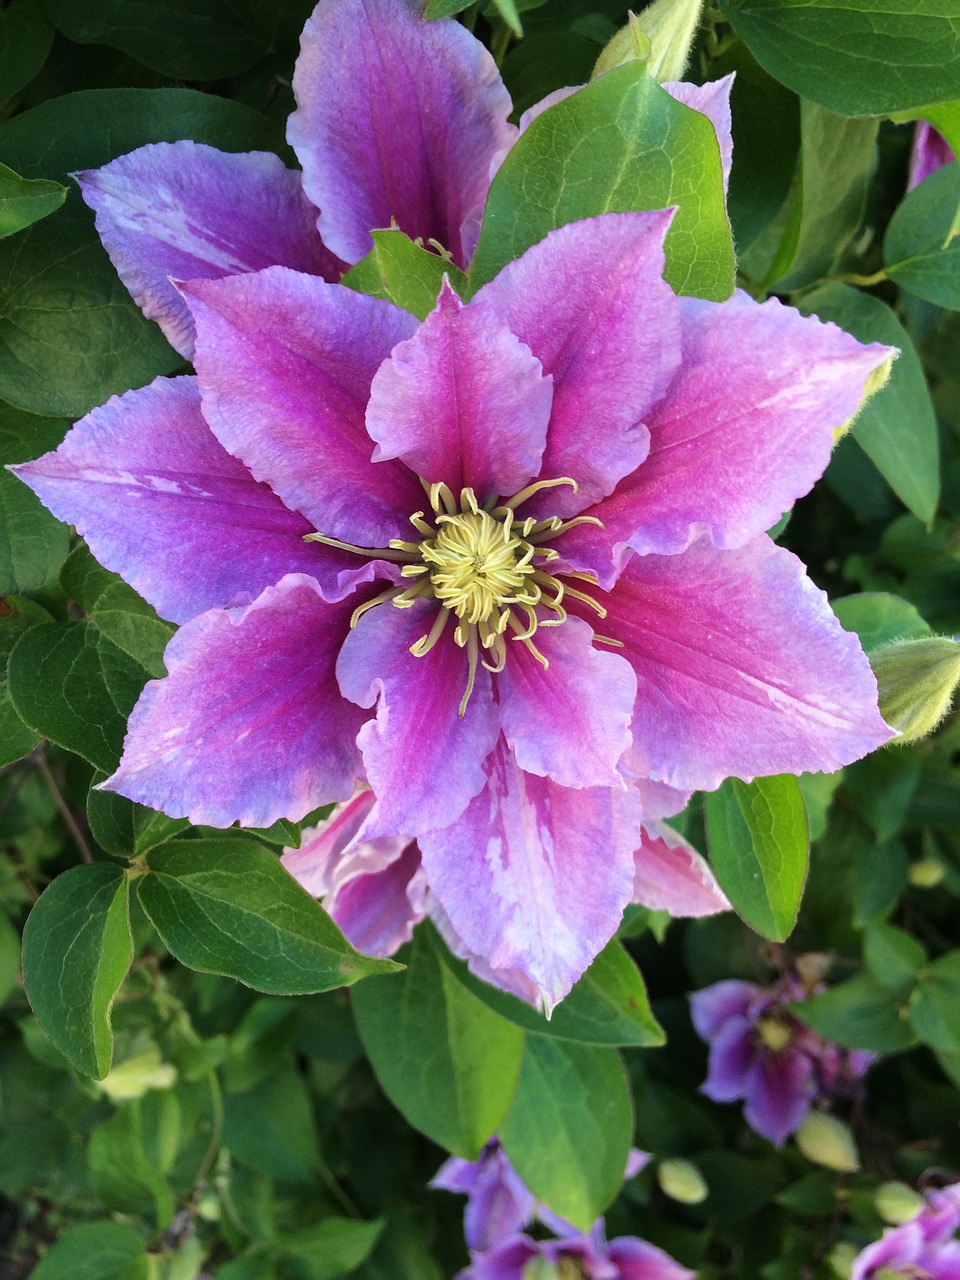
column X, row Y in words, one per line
column 26, row 200
column 33, row 545
column 918, row 250
column 95, row 1251
column 401, row 272
column 859, row 1014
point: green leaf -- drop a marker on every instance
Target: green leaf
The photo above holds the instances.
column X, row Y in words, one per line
column 896, row 428
column 330, row 1249
column 116, row 610
column 71, row 684
column 33, row 544
column 892, row 956
column 95, row 1251
column 759, row 845
column 934, row 1004
column 401, row 272
column 271, row 1128
column 445, row 1059
column 26, row 200
column 945, row 118
column 856, row 57
column 569, row 1129
column 124, row 828
column 70, row 335
column 918, row 250
column 620, row 143
column 878, row 617
column 9, row 956
column 879, row 878
column 121, row 1173
column 608, row 1006
column 184, row 39
column 25, row 40
column 77, row 948
column 860, row 1013
column 15, row 738
column 227, row 906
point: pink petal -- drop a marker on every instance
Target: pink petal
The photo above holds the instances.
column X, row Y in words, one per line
column 670, row 875
column 397, row 120
column 742, row 668
column 590, row 303
column 571, row 722
column 377, row 910
column 637, row 1260
column 285, row 363
column 249, row 725
column 188, row 211
column 462, row 401
column 161, row 502
column 931, row 152
column 315, row 864
column 422, row 758
column 713, row 101
column 535, row 876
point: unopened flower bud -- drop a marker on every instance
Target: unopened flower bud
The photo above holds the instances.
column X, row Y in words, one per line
column 662, row 35
column 896, row 1202
column 926, row 873
column 136, row 1075
column 841, row 1259
column 828, row 1141
column 916, row 680
column 682, row 1181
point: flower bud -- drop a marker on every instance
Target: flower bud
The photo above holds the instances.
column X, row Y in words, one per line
column 133, row 1077
column 663, row 35
column 916, row 680
column 896, row 1202
column 841, row 1259
column 828, row 1141
column 926, row 873
column 682, row 1181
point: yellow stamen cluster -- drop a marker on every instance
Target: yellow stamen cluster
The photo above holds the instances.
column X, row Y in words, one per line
column 773, row 1033
column 484, row 567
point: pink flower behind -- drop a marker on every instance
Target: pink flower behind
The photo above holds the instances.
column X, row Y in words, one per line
column 924, row 1246
column 931, row 152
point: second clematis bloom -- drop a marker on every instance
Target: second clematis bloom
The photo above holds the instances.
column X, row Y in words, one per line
column 507, row 565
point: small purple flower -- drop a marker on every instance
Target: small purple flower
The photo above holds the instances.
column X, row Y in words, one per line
column 759, row 1052
column 923, row 1246
column 588, row 1257
column 931, row 152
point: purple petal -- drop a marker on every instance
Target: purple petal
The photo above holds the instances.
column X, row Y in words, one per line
column 899, row 1246
column 712, row 1007
column 285, row 363
column 571, row 722
column 659, row 801
column 745, row 429
column 713, row 101
column 535, row 876
column 507, row 1261
column 188, row 211
column 423, row 759
column 671, row 876
column 732, row 1055
column 204, row 533
column 397, row 120
column 637, row 1260
column 462, row 401
column 249, row 726
column 590, row 303
column 315, row 864
column 377, row 910
column 778, row 1088
column 931, row 152
column 741, row 667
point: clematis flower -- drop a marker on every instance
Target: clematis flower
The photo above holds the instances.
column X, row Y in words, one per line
column 761, row 1053
column 922, row 1246
column 588, row 1257
column 507, row 565
column 931, row 152
column 419, row 157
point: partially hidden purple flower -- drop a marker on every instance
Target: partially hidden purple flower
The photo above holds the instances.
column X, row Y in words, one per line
column 931, row 152
column 761, row 1053
column 923, row 1246
column 399, row 122
column 588, row 1257
column 508, row 566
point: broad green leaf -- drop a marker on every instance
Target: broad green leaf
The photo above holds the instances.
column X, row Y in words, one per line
column 608, row 1006
column 25, row 40
column 271, row 1128
column 878, row 617
column 879, row 878
column 896, row 428
column 16, row 739
column 77, row 948
column 26, row 200
column 620, row 143
column 892, row 956
column 444, row 8
column 184, row 39
column 330, row 1249
column 859, row 1014
column 70, row 335
column 228, row 906
column 9, row 956
column 122, row 1174
column 759, row 845
column 124, row 828
column 445, row 1059
column 95, row 1251
column 33, row 544
column 917, row 249
column 883, row 784
column 934, row 1004
column 401, row 272
column 116, row 610
column 71, row 684
column 569, row 1128
column 856, row 57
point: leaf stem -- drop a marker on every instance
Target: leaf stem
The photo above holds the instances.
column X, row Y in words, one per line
column 865, row 282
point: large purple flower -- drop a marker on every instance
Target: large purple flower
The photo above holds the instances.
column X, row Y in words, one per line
column 504, row 565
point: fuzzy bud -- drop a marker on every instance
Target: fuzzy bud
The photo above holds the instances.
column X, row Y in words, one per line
column 682, row 1181
column 916, row 680
column 841, row 1259
column 133, row 1077
column 896, row 1202
column 663, row 35
column 926, row 873
column 828, row 1141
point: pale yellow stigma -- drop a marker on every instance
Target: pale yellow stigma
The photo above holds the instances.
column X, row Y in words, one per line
column 477, row 565
column 773, row 1033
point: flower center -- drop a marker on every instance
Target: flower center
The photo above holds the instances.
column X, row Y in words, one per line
column 485, row 568
column 773, row 1033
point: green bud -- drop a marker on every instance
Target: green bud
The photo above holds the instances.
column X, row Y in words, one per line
column 132, row 1078
column 682, row 1181
column 841, row 1259
column 926, row 873
column 916, row 680
column 828, row 1141
column 663, row 34
column 896, row 1202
